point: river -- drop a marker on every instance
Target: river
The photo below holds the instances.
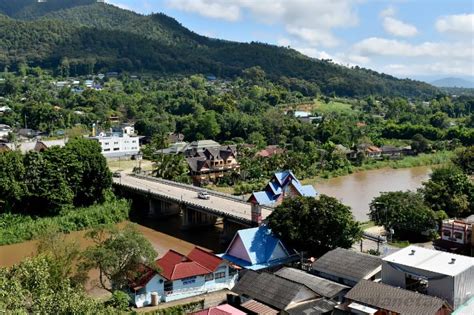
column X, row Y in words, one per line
column 357, row 190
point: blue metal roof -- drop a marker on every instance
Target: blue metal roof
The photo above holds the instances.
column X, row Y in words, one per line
column 260, row 244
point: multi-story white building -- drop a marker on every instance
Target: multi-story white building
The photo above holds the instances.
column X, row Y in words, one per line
column 118, row 145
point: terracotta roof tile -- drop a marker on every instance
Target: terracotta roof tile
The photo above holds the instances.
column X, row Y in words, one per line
column 205, row 259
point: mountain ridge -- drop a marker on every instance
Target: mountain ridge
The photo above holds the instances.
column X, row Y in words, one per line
column 451, row 82
column 100, row 36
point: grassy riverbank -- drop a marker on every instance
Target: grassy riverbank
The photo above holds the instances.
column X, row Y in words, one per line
column 15, row 228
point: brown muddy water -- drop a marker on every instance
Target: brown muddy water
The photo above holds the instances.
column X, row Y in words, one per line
column 357, row 190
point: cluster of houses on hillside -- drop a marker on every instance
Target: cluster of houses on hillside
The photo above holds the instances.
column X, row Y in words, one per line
column 264, row 277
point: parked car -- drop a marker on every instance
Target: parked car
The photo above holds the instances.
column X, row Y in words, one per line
column 117, row 174
column 203, row 195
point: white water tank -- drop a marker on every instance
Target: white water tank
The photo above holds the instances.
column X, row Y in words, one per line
column 155, row 299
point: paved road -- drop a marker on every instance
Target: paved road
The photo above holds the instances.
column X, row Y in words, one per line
column 217, row 203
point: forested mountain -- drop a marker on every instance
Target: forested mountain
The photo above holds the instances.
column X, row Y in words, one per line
column 87, row 37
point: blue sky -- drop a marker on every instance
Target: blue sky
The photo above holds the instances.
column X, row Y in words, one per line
column 422, row 39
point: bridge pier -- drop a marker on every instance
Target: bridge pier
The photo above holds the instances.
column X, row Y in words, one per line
column 162, row 208
column 193, row 219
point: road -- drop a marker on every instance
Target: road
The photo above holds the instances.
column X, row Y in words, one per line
column 219, row 204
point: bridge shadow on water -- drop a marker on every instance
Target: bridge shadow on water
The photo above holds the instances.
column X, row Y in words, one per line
column 207, row 237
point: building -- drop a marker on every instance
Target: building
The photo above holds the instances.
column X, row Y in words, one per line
column 323, row 287
column 38, row 146
column 224, row 309
column 282, row 185
column 436, row 273
column 457, row 236
column 199, row 146
column 174, row 137
column 4, row 109
column 347, row 266
column 370, row 151
column 181, row 277
column 391, row 151
column 258, row 248
column 118, row 145
column 270, row 151
column 4, row 130
column 280, row 294
column 210, row 164
column 369, row 297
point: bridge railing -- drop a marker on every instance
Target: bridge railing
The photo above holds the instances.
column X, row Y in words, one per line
column 194, row 188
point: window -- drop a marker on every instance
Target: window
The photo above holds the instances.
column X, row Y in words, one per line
column 447, row 233
column 219, row 275
column 209, row 277
column 458, row 235
column 232, row 271
column 189, row 280
column 168, row 285
column 106, row 150
column 134, row 141
column 106, row 143
column 116, row 149
column 115, row 142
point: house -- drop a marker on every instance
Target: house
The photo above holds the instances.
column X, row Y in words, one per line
column 348, row 153
column 181, row 277
column 435, row 273
column 4, row 130
column 174, row 148
column 276, row 292
column 371, row 151
column 4, row 109
column 347, row 266
column 256, row 308
column 27, row 133
column 258, row 248
column 174, row 137
column 282, row 185
column 369, row 297
column 118, row 145
column 391, row 151
column 42, row 145
column 270, row 151
column 306, row 117
column 323, row 287
column 38, row 146
column 213, row 163
column 456, row 235
column 224, row 309
column 199, row 146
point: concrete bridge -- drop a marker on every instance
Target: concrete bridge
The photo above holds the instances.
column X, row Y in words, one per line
column 164, row 198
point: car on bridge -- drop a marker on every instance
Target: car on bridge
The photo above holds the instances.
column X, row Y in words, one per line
column 203, row 195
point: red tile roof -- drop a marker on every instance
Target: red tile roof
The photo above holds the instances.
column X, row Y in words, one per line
column 175, row 266
column 205, row 258
column 141, row 277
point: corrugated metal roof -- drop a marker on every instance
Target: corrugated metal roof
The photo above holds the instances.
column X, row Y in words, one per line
column 431, row 260
column 347, row 264
column 321, row 286
column 394, row 299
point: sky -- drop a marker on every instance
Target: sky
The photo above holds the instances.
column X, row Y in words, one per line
column 419, row 39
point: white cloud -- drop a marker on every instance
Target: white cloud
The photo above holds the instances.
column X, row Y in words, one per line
column 309, row 21
column 460, row 23
column 120, row 5
column 394, row 26
column 213, row 9
column 436, row 68
column 392, row 47
column 399, row 28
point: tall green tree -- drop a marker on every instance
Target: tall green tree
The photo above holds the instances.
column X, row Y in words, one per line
column 450, row 190
column 403, row 211
column 464, row 159
column 117, row 253
column 314, row 225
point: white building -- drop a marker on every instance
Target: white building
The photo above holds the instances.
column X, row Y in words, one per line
column 4, row 130
column 436, row 273
column 118, row 145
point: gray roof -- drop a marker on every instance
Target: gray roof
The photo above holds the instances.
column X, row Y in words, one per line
column 269, row 289
column 316, row 307
column 321, row 286
column 347, row 264
column 394, row 299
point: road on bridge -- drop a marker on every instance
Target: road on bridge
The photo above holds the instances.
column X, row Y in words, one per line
column 221, row 204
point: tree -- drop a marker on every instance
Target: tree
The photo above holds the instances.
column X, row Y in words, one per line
column 450, row 190
column 171, row 167
column 464, row 159
column 314, row 225
column 117, row 254
column 32, row 287
column 419, row 143
column 403, row 211
column 439, row 120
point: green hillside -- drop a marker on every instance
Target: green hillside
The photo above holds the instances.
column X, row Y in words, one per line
column 93, row 37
